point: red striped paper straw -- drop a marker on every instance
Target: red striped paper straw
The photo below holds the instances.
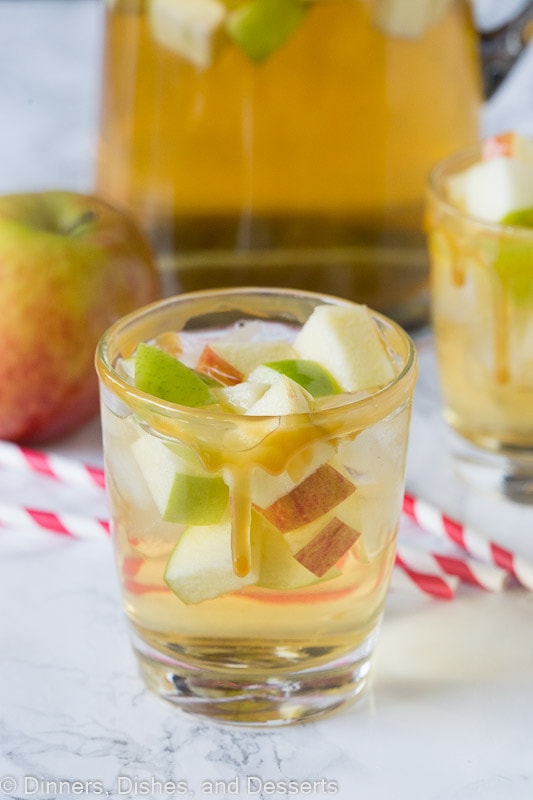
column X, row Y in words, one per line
column 430, row 581
column 74, row 526
column 473, row 542
column 61, row 468
column 484, row 576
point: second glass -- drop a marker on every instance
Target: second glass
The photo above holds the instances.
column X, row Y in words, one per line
column 482, row 308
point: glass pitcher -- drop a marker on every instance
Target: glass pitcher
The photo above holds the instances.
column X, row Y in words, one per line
column 286, row 142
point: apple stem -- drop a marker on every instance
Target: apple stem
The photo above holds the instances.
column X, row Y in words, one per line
column 86, row 219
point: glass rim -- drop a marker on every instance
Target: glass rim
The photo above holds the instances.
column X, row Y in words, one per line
column 400, row 386
column 450, row 165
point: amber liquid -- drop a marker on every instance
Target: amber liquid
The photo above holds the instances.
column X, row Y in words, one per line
column 244, row 637
column 273, row 629
column 482, row 287
column 305, row 171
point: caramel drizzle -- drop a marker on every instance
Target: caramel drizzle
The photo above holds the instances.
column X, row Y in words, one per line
column 501, row 336
column 241, row 518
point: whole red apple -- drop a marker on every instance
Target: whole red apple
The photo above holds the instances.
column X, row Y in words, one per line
column 70, row 265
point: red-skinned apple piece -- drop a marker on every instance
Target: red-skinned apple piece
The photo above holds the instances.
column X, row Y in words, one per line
column 329, row 545
column 213, row 365
column 70, row 265
column 316, row 495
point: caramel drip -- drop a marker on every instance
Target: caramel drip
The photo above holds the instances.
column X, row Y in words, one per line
column 501, row 337
column 241, row 517
column 458, row 272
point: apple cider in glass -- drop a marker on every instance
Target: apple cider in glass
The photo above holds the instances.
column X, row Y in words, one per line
column 286, row 142
column 255, row 445
column 480, row 233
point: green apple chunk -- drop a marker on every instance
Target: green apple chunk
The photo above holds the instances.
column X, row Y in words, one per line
column 181, row 490
column 260, row 27
column 522, row 218
column 201, row 566
column 311, row 375
column 163, row 376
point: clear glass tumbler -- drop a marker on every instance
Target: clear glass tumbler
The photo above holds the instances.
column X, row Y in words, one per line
column 268, row 642
column 482, row 309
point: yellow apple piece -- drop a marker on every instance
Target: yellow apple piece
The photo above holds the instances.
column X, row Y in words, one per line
column 510, row 144
column 279, row 569
column 320, row 492
column 493, row 188
column 201, row 565
column 212, row 364
column 265, row 489
column 187, row 27
column 284, row 396
column 181, row 490
column 170, row 342
column 238, row 358
column 406, row 18
column 348, row 342
column 242, row 396
column 330, row 543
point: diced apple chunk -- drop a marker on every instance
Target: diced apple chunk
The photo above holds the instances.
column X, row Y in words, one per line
column 212, row 364
column 242, row 396
column 492, row 189
column 261, row 27
column 348, row 341
column 323, row 551
column 266, row 489
column 279, row 568
column 311, row 375
column 509, row 144
column 407, row 17
column 181, row 490
column 187, row 27
column 244, row 356
column 320, row 492
column 284, row 396
column 170, row 342
column 201, row 565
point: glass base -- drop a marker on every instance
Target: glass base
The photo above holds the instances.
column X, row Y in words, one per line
column 506, row 473
column 278, row 698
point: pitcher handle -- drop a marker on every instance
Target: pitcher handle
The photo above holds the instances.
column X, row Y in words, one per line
column 501, row 47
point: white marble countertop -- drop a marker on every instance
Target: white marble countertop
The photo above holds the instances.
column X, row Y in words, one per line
column 448, row 714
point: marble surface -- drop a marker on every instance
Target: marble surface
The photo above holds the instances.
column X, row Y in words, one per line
column 448, row 714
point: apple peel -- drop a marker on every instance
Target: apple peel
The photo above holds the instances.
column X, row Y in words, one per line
column 317, row 494
column 213, row 365
column 325, row 549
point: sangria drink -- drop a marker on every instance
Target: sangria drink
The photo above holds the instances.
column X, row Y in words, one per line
column 255, row 460
column 480, row 228
column 286, row 142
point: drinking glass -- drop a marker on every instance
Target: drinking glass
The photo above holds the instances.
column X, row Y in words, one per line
column 256, row 638
column 481, row 282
